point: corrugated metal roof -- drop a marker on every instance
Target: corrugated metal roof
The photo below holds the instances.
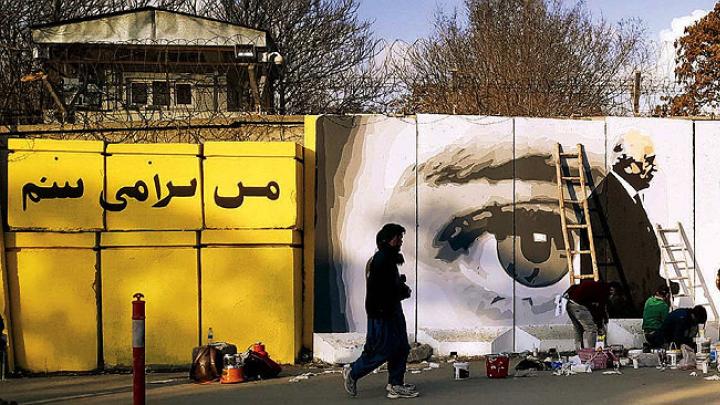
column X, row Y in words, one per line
column 149, row 26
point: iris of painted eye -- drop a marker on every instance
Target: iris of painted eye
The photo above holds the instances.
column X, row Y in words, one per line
column 533, row 258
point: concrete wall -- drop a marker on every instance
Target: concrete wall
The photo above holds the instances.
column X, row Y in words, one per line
column 481, row 193
column 210, row 234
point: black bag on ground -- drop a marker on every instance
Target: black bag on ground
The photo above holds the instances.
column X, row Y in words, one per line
column 260, row 367
column 207, row 361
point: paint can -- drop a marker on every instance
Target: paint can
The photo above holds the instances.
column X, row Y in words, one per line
column 634, row 355
column 701, row 362
column 461, row 370
column 497, row 365
column 672, row 356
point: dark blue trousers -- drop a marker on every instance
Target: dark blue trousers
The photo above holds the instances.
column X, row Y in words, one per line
column 386, row 341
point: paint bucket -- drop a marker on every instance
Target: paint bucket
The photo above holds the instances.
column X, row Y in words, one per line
column 701, row 362
column 461, row 370
column 232, row 376
column 497, row 365
column 672, row 356
column 634, row 355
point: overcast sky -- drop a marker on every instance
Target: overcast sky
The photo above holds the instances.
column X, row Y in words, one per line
column 410, row 19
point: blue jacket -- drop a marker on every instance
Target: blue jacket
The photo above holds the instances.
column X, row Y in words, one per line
column 679, row 327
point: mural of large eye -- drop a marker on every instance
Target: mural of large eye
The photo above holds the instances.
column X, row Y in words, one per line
column 539, row 259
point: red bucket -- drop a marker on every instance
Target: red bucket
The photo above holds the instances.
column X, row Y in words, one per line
column 497, row 365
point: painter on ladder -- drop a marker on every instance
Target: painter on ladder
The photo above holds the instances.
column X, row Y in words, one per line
column 387, row 338
column 587, row 308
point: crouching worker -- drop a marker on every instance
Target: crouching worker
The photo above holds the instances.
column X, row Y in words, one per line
column 654, row 314
column 587, row 309
column 387, row 338
column 681, row 325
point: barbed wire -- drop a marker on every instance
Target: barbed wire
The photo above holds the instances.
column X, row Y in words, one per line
column 149, row 82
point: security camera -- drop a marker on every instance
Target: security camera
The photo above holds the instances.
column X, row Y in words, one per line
column 275, row 58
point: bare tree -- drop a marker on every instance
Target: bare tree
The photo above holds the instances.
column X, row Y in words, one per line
column 522, row 57
column 330, row 53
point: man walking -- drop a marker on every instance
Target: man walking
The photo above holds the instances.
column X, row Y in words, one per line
column 386, row 331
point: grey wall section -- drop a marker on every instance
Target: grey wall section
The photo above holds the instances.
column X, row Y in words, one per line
column 364, row 163
column 335, row 137
column 489, row 249
column 541, row 263
column 707, row 202
column 465, row 211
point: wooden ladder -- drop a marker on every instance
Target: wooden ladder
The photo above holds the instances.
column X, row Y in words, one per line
column 577, row 195
column 678, row 256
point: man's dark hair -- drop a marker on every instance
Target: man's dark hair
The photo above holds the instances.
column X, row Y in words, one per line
column 387, row 233
column 662, row 290
column 700, row 314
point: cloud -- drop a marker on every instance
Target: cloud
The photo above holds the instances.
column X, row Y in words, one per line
column 666, row 59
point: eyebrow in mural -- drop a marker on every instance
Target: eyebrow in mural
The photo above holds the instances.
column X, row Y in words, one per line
column 140, row 193
column 271, row 192
column 36, row 193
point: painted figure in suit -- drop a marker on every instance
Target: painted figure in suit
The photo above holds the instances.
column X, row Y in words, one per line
column 626, row 246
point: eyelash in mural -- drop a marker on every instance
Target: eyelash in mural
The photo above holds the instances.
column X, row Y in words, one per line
column 539, row 262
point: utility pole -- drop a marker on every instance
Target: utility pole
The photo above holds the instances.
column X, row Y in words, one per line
column 636, row 94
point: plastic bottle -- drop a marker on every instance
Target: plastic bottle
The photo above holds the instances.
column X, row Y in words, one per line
column 600, row 342
column 211, row 339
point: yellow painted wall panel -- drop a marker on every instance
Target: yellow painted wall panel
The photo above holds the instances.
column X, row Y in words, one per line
column 249, row 149
column 53, row 145
column 251, row 237
column 168, row 279
column 309, row 184
column 251, row 295
column 154, row 148
column 160, row 192
column 252, row 192
column 148, row 238
column 55, row 190
column 53, row 309
column 15, row 240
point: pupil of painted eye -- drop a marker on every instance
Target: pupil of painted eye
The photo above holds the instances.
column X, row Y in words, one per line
column 532, row 257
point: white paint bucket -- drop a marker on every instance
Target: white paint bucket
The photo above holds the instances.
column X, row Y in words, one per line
column 634, row 355
column 462, row 370
column 672, row 356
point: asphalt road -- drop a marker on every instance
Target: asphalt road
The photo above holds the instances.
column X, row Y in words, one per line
column 643, row 386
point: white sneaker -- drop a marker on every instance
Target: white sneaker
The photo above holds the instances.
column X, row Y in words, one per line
column 410, row 387
column 399, row 391
column 349, row 384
